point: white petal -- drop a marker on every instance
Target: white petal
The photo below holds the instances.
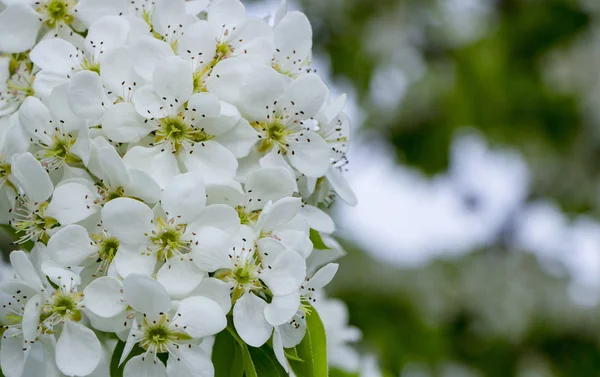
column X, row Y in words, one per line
column 305, row 96
column 127, row 219
column 144, row 366
column 190, row 362
column 198, row 43
column 215, row 162
column 24, row 269
column 147, row 103
column 226, row 12
column 293, row 37
column 279, row 213
column 219, row 216
column 146, row 295
column 87, row 96
column 118, row 73
column 225, row 79
column 36, row 120
column 179, row 275
column 270, row 248
column 106, row 34
column 279, row 352
column 249, row 320
column 201, row 317
column 211, row 249
column 19, row 26
column 32, row 177
column 12, row 356
column 71, row 246
column 172, row 78
column 262, row 88
column 121, row 123
column 103, row 297
column 340, row 186
column 31, row 318
column 322, row 277
column 205, row 105
column 77, row 350
column 73, row 201
column 58, row 105
column 184, row 197
column 286, row 274
column 216, row 290
column 114, row 170
column 91, row 10
column 229, row 193
column 282, row 308
column 147, row 52
column 240, row 139
column 292, row 335
column 143, row 186
column 56, row 55
column 309, row 154
column 133, row 259
column 268, row 184
column 46, row 81
column 161, row 166
column 317, row 219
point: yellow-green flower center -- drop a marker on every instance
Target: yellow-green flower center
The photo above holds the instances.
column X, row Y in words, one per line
column 57, row 12
column 168, row 239
column 156, row 337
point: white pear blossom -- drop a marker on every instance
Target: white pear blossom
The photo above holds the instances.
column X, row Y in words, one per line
column 168, row 164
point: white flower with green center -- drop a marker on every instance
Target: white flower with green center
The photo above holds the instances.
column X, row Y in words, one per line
column 254, row 275
column 165, row 240
column 62, row 137
column 30, row 217
column 72, row 246
column 12, row 142
column 188, row 128
column 16, row 82
column 59, row 59
column 77, row 199
column 45, row 312
column 281, row 110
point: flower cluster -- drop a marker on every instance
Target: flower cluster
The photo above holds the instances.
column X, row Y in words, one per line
column 164, row 165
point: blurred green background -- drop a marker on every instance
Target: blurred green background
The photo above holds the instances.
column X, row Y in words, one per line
column 524, row 75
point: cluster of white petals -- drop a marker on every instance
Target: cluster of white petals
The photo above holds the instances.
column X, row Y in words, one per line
column 164, row 165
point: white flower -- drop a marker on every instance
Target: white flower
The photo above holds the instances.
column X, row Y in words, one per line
column 281, row 110
column 293, row 43
column 58, row 59
column 16, row 83
column 77, row 349
column 29, row 215
column 155, row 328
column 76, row 199
column 254, row 274
column 62, row 137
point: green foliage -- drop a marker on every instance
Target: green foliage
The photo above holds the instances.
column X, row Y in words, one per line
column 317, row 240
column 312, row 350
column 116, row 370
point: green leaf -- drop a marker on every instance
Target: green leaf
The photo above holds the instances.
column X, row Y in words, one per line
column 292, row 354
column 246, row 358
column 312, row 349
column 266, row 363
column 340, row 373
column 115, row 369
column 227, row 356
column 26, row 246
column 317, row 240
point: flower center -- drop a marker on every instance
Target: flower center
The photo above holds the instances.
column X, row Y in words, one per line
column 58, row 153
column 107, row 249
column 57, row 12
column 274, row 133
column 89, row 65
column 224, row 50
column 247, row 218
column 30, row 220
column 62, row 306
column 168, row 239
column 4, row 171
column 156, row 337
column 177, row 132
